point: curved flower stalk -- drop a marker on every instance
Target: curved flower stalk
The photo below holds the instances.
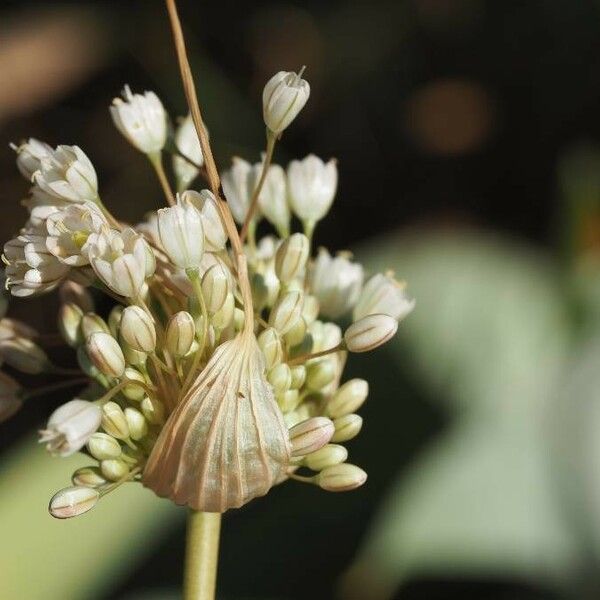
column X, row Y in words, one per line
column 218, row 373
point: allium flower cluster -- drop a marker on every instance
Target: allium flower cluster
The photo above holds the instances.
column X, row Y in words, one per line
column 219, row 371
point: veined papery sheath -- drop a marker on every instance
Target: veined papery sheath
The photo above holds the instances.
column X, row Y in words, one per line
column 225, row 442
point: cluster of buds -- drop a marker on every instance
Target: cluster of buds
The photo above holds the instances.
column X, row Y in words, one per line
column 218, row 373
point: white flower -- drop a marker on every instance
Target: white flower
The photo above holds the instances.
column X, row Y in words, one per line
column 149, row 227
column 29, row 155
column 30, row 267
column 284, row 96
column 272, row 199
column 237, row 185
column 10, row 400
column 311, row 187
column 121, row 259
column 181, row 234
column 336, row 282
column 383, row 294
column 141, row 119
column 69, row 229
column 68, row 175
column 215, row 236
column 70, row 426
column 187, row 142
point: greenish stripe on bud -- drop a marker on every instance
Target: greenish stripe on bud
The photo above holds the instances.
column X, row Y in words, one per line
column 329, row 455
column 103, row 446
column 137, row 329
column 310, row 435
column 341, row 478
column 370, row 332
column 287, row 312
column 291, row 257
column 114, row 421
column 88, row 477
column 347, row 427
column 348, row 398
column 114, row 469
column 138, row 426
column 181, row 332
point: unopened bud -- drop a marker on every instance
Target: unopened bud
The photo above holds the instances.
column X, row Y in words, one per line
column 347, row 427
column 135, row 358
column 88, row 367
column 71, row 292
column 310, row 435
column 341, row 478
column 260, row 291
column 291, row 257
column 310, row 309
column 296, row 334
column 69, row 321
column 92, row 323
column 114, row 469
column 286, row 312
column 153, row 410
column 270, row 344
column 114, row 421
column 348, row 398
column 106, row 354
column 88, row 477
column 103, row 446
column 133, row 391
column 73, row 501
column 224, row 316
column 288, row 400
column 298, row 376
column 280, row 377
column 114, row 320
column 370, row 332
column 320, row 373
column 137, row 329
column 329, row 455
column 284, row 96
column 24, row 355
column 239, row 318
column 215, row 287
column 138, row 426
column 181, row 332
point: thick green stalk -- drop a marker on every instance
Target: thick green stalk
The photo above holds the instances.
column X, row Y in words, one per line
column 201, row 555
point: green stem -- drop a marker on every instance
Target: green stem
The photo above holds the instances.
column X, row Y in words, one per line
column 201, row 555
column 156, row 160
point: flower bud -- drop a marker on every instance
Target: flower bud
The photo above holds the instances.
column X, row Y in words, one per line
column 114, row 421
column 296, row 334
column 215, row 287
column 73, row 501
column 135, row 358
column 75, row 293
column 106, row 354
column 70, row 427
column 138, row 426
column 239, row 318
column 286, row 312
column 92, row 323
column 320, row 373
column 270, row 344
column 103, row 446
column 327, row 456
column 298, row 376
column 10, row 399
column 280, row 377
column 224, row 316
column 181, row 234
column 133, row 391
column 284, row 96
column 180, row 334
column 69, row 321
column 114, row 469
column 310, row 310
column 24, row 355
column 114, row 320
column 137, row 329
column 383, row 294
column 348, row 398
column 88, row 367
column 88, row 477
column 347, row 427
column 291, row 257
column 310, row 435
column 370, row 332
column 288, row 400
column 341, row 478
column 153, row 410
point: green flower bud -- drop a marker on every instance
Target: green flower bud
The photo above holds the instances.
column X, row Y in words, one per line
column 69, row 321
column 114, row 421
column 138, row 426
column 106, row 354
column 224, row 316
column 137, row 329
column 341, row 478
column 286, row 312
column 215, row 288
column 270, row 344
column 310, row 309
column 114, row 320
column 114, row 469
column 348, row 398
column 288, row 400
column 92, row 323
column 180, row 335
column 346, row 427
column 329, row 455
column 291, row 257
column 296, row 334
column 153, row 410
column 320, row 373
column 298, row 376
column 280, row 377
column 132, row 391
column 103, row 446
column 88, row 477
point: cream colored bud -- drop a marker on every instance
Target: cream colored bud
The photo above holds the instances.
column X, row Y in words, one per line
column 215, row 287
column 114, row 421
column 306, row 346
column 239, row 318
column 138, row 426
column 103, row 446
column 284, row 96
column 133, row 391
column 280, row 377
column 270, row 344
column 298, row 376
column 23, row 355
column 310, row 310
column 286, row 312
column 73, row 501
column 88, row 477
column 114, row 320
column 88, row 367
column 69, row 321
column 296, row 334
column 347, row 427
column 291, row 257
column 153, row 410
column 320, row 373
column 310, row 435
column 223, row 317
column 329, row 455
column 106, row 354
column 92, row 323
column 348, row 398
column 288, row 400
column 135, row 358
column 370, row 332
column 72, row 292
column 341, row 478
column 114, row 469
column 137, row 329
column 181, row 332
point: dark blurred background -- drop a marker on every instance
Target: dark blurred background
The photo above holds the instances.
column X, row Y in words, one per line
column 447, row 117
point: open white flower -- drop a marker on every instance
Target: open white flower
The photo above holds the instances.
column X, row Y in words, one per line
column 68, row 175
column 141, row 119
column 383, row 294
column 69, row 229
column 237, row 185
column 336, row 282
column 181, row 234
column 284, row 96
column 121, row 259
column 187, row 142
column 272, row 199
column 29, row 155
